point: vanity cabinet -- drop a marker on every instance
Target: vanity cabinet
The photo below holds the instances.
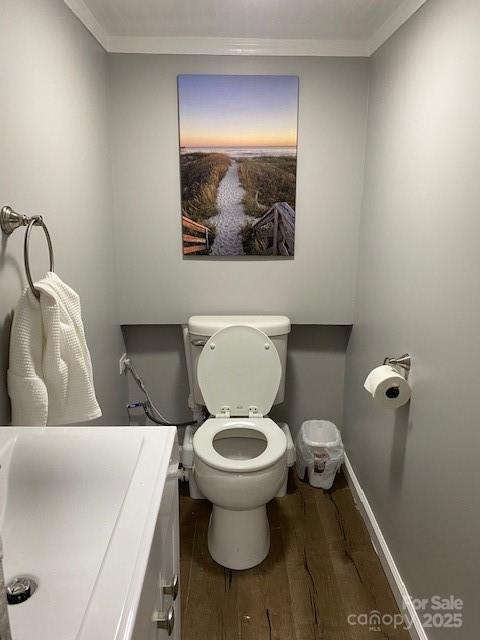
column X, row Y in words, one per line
column 158, row 612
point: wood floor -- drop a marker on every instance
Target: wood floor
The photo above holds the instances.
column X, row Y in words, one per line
column 321, row 568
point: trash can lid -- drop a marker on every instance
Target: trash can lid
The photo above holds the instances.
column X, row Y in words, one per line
column 320, row 433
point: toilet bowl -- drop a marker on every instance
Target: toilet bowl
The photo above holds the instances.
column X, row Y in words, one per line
column 240, row 455
column 239, row 466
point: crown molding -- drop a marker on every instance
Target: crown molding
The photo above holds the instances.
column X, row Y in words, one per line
column 237, row 46
column 392, row 24
column 244, row 46
column 83, row 13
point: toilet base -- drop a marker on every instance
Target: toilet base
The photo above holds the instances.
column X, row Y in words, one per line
column 238, row 539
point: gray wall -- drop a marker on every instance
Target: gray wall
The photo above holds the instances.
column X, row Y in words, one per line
column 158, row 355
column 314, row 383
column 55, row 160
column 418, row 291
column 156, row 284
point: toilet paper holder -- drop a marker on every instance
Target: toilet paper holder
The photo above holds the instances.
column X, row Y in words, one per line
column 404, row 362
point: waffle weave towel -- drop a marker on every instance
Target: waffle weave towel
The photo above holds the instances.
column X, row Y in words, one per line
column 50, row 378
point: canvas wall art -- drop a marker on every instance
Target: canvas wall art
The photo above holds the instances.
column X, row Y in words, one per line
column 238, row 164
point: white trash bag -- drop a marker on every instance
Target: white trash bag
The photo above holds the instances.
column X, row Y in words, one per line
column 319, row 452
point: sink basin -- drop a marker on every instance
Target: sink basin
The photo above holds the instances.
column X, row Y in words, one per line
column 78, row 508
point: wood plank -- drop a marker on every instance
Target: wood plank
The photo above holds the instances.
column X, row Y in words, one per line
column 275, row 232
column 321, row 567
column 264, row 597
column 194, row 249
column 265, row 217
column 354, row 550
column 354, row 597
column 191, row 224
column 288, row 229
column 286, row 210
column 187, row 238
column 209, row 605
column 194, row 222
column 283, row 209
column 263, row 221
column 315, row 595
column 288, row 226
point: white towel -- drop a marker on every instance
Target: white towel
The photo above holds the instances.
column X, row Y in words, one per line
column 50, row 378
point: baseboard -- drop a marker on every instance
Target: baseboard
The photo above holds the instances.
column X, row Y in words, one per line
column 397, row 585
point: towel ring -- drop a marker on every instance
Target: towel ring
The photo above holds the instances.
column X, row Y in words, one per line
column 9, row 221
column 36, row 221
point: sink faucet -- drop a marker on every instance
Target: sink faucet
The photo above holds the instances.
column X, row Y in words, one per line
column 5, row 633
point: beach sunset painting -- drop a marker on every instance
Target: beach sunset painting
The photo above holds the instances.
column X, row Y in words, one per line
column 238, row 164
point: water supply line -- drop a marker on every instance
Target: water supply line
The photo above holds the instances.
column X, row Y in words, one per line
column 148, row 405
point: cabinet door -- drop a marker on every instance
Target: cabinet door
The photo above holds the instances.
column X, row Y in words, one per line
column 163, row 566
column 170, row 570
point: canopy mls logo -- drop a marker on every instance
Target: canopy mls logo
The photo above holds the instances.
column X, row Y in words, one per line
column 435, row 612
column 375, row 620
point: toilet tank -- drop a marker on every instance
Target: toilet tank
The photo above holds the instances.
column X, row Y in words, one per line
column 200, row 328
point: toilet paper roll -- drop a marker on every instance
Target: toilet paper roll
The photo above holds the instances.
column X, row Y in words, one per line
column 388, row 387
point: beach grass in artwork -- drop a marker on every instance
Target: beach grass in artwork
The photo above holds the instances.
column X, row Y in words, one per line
column 238, row 164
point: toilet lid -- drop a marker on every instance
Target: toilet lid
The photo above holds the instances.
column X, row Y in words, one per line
column 239, row 367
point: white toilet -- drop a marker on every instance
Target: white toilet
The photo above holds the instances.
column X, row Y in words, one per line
column 240, row 456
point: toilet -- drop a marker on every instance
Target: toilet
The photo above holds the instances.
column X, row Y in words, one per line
column 240, row 457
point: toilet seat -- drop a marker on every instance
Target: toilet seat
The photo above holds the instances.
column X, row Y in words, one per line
column 204, row 449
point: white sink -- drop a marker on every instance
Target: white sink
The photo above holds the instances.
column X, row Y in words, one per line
column 78, row 508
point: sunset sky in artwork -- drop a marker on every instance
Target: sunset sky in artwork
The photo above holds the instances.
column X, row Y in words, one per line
column 238, row 111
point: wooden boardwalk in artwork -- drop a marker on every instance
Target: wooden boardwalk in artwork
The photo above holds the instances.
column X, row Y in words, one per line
column 196, row 237
column 275, row 231
column 273, row 234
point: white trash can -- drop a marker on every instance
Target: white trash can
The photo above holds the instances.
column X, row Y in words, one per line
column 319, row 452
